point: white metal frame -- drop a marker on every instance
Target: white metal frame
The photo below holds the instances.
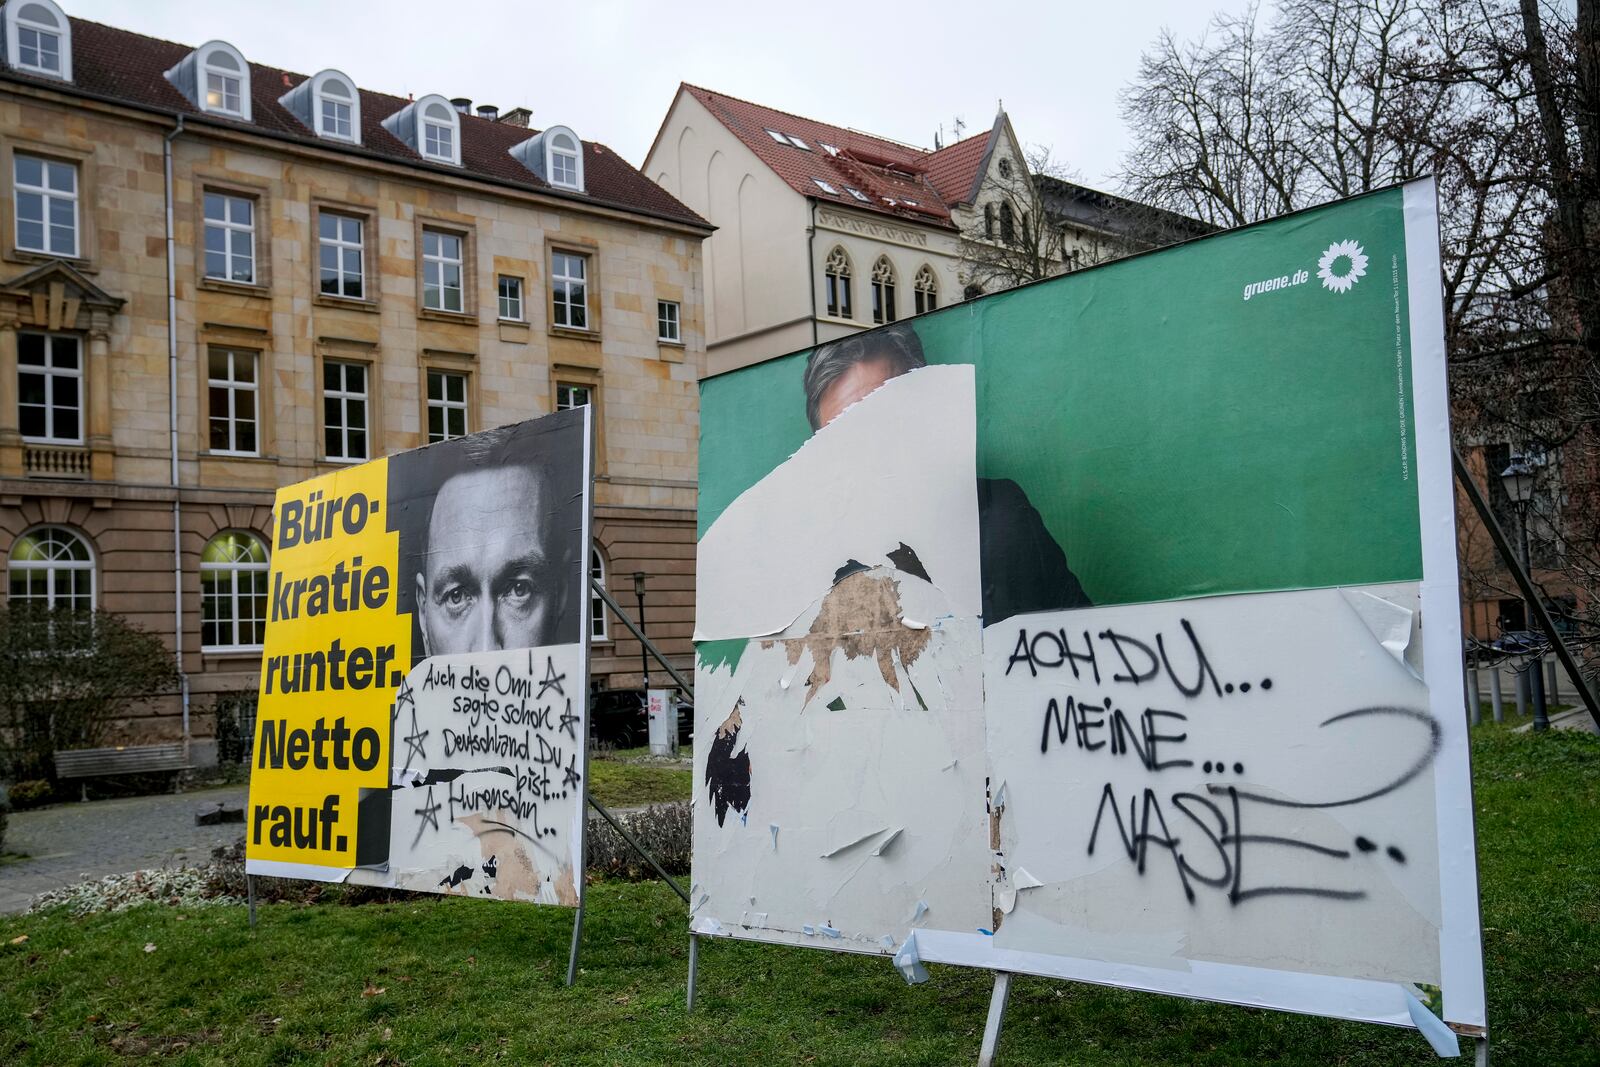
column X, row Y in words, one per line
column 234, row 233
column 445, row 405
column 232, row 79
column 562, row 281
column 346, row 396
column 669, row 321
column 333, row 89
column 342, row 246
column 48, row 193
column 59, row 539
column 22, row 33
column 233, row 568
column 236, row 388
column 50, row 373
column 438, row 264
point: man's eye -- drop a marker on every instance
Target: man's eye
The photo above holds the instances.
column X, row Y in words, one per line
column 519, row 590
column 454, row 598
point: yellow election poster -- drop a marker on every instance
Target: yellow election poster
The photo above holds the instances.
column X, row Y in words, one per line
column 422, row 717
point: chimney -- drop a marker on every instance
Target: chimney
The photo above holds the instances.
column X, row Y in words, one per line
column 517, row 116
column 488, row 111
column 462, row 104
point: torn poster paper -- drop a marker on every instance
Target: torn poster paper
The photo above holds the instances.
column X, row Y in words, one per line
column 858, row 733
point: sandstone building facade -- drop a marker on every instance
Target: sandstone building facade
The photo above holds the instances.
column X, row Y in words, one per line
column 218, row 277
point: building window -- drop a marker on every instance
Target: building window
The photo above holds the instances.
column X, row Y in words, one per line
column 598, row 630
column 667, row 323
column 223, row 83
column 50, row 387
column 510, row 298
column 883, row 290
column 988, row 221
column 344, row 410
column 230, row 238
column 447, row 405
column 564, row 162
column 1008, row 225
column 336, row 116
column 826, row 187
column 40, row 39
column 972, row 292
column 836, row 275
column 439, row 132
column 569, row 396
column 51, row 567
column 340, row 253
column 233, row 388
column 441, row 271
column 858, row 194
column 569, row 292
column 45, row 194
column 233, row 592
column 1005, row 168
column 926, row 289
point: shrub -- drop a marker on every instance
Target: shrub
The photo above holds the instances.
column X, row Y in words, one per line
column 663, row 829
column 30, row 794
column 65, row 675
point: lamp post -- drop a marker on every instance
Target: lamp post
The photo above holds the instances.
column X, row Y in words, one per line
column 644, row 653
column 1518, row 481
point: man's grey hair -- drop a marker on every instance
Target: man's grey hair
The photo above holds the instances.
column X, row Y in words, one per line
column 897, row 345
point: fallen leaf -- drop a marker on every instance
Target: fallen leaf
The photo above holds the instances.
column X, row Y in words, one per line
column 19, row 939
column 373, row 990
column 388, row 1033
column 149, row 946
column 472, row 960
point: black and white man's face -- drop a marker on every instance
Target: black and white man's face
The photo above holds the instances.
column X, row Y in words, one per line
column 489, row 581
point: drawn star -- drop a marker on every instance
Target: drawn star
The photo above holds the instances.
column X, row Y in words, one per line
column 430, row 816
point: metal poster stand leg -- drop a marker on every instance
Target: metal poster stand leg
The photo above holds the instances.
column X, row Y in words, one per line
column 577, row 935
column 250, row 893
column 1480, row 1052
column 997, row 1011
column 633, row 842
column 694, row 969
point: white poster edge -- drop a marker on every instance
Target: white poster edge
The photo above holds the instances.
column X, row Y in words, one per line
column 1460, row 935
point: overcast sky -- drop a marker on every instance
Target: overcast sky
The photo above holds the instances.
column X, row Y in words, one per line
column 609, row 69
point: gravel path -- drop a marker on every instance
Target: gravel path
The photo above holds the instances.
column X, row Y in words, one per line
column 73, row 842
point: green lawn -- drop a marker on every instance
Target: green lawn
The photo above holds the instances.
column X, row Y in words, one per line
column 452, row 981
column 627, row 778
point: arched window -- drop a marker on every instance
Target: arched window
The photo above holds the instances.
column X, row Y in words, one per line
column 224, row 80
column 926, row 288
column 599, row 630
column 438, row 129
column 1005, row 168
column 564, row 162
column 51, row 567
column 38, row 39
column 335, row 107
column 883, row 290
column 233, row 591
column 988, row 221
column 1008, row 225
column 836, row 273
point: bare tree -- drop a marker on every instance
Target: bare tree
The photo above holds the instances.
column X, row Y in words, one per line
column 1498, row 100
column 1011, row 239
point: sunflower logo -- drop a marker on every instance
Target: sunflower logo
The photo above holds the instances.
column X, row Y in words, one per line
column 1341, row 266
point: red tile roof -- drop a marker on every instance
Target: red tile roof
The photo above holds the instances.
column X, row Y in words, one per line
column 130, row 68
column 899, row 180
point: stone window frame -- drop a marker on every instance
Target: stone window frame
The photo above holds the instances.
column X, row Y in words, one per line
column 345, row 350
column 88, row 199
column 367, row 214
column 468, row 234
column 593, row 379
column 255, row 389
column 837, row 271
column 50, row 373
column 207, row 181
column 464, row 363
column 243, row 339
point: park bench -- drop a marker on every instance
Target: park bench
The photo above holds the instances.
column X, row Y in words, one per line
column 86, row 763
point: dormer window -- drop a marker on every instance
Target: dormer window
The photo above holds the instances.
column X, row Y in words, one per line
column 431, row 127
column 336, row 110
column 439, row 133
column 328, row 104
column 564, row 161
column 216, row 79
column 38, row 39
column 556, row 155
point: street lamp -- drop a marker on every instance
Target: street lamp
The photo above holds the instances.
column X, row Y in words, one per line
column 1518, row 481
column 644, row 653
